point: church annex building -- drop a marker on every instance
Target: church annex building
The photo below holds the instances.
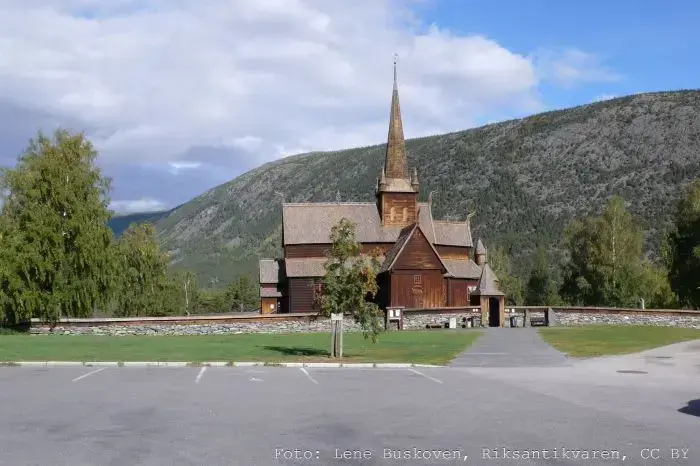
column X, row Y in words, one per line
column 427, row 263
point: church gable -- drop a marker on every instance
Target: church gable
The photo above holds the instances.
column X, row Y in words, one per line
column 416, row 253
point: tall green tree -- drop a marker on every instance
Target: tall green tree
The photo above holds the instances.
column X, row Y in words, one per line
column 541, row 289
column 684, row 248
column 241, row 294
column 605, row 265
column 349, row 285
column 146, row 288
column 511, row 285
column 55, row 246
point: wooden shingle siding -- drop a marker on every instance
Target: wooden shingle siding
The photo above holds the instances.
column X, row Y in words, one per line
column 398, row 202
column 417, row 255
column 457, row 292
column 430, row 293
column 301, row 295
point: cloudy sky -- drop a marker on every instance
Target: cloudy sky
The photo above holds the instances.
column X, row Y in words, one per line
column 182, row 95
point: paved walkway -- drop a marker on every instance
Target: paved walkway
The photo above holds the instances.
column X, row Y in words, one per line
column 510, row 347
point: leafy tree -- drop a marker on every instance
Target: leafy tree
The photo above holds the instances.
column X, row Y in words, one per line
column 684, row 248
column 55, row 247
column 605, row 265
column 211, row 301
column 146, row 289
column 541, row 290
column 350, row 281
column 510, row 284
column 655, row 287
column 241, row 294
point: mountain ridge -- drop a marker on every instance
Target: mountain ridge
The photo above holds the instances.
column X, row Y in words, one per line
column 525, row 178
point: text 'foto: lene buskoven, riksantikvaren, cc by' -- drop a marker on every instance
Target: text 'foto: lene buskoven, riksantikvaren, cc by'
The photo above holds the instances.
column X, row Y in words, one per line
column 502, row 453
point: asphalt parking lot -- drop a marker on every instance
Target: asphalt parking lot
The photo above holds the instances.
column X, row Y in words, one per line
column 271, row 415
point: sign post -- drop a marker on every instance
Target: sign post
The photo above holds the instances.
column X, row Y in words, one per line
column 337, row 335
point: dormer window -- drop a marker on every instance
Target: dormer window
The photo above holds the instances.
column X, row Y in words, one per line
column 405, row 214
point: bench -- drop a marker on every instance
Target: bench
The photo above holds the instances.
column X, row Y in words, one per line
column 431, row 326
column 538, row 322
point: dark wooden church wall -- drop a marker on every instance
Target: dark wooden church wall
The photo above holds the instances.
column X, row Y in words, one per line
column 301, row 294
column 417, row 255
column 418, row 289
column 457, row 292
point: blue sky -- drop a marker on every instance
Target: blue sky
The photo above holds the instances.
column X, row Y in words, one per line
column 180, row 96
column 649, row 43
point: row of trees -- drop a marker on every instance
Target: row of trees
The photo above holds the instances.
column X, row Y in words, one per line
column 59, row 258
column 606, row 265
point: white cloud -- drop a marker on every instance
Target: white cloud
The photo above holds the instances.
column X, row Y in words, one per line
column 176, row 167
column 154, row 79
column 569, row 67
column 254, row 74
column 137, row 205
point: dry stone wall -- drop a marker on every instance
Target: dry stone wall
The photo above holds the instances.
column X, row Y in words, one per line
column 306, row 324
column 412, row 320
column 659, row 319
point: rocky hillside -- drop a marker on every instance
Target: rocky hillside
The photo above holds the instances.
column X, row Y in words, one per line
column 525, row 178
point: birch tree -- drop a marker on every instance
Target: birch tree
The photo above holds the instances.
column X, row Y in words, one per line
column 55, row 246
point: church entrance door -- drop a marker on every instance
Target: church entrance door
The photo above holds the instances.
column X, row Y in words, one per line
column 494, row 313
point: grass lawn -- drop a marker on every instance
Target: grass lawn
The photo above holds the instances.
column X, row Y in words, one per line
column 424, row 347
column 601, row 340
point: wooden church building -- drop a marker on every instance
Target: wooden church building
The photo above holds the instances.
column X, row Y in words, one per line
column 427, row 263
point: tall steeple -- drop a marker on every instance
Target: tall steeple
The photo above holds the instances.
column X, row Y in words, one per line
column 395, row 164
column 397, row 190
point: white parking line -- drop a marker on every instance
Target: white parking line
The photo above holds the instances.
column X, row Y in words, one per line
column 426, row 376
column 89, row 373
column 308, row 375
column 201, row 373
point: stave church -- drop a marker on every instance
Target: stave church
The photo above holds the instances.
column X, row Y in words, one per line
column 426, row 263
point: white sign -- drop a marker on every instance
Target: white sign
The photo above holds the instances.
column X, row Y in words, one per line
column 335, row 317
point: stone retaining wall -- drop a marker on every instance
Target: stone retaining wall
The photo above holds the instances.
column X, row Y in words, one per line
column 413, row 319
column 420, row 320
column 182, row 326
column 659, row 319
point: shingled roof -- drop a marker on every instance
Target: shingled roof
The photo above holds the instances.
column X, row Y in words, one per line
column 305, row 267
column 267, row 293
column 311, row 223
column 460, row 268
column 270, row 271
column 452, row 233
column 488, row 283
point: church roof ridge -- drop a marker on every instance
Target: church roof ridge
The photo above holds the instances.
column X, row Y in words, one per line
column 328, row 203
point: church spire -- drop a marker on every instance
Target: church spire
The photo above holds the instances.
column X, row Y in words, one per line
column 395, row 164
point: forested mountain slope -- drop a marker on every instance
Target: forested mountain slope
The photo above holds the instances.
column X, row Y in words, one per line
column 525, row 178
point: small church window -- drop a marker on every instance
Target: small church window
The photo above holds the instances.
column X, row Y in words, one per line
column 405, row 214
column 416, row 279
column 392, row 214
